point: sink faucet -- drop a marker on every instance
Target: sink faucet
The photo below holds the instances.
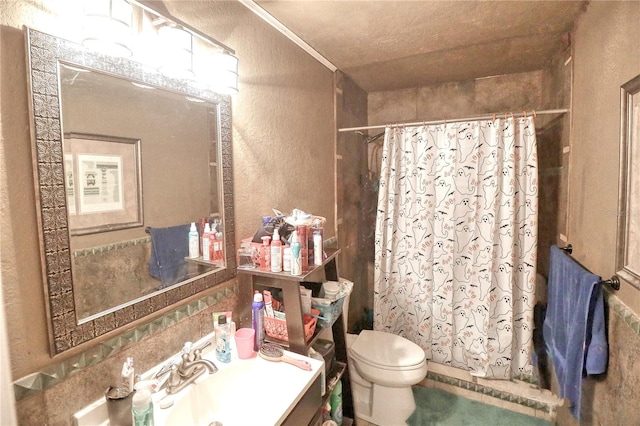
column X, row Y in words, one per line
column 189, row 367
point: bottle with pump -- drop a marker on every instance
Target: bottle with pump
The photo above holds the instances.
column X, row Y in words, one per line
column 194, row 242
column 257, row 320
column 296, row 254
column 223, row 349
column 276, row 252
column 142, row 406
column 206, row 243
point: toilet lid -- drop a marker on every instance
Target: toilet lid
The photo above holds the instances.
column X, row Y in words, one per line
column 386, row 349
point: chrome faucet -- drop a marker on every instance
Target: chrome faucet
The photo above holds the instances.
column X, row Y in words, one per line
column 189, row 367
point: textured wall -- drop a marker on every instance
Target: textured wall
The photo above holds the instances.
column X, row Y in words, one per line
column 606, row 55
column 284, row 157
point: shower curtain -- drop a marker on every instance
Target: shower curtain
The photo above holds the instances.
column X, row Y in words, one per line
column 456, row 242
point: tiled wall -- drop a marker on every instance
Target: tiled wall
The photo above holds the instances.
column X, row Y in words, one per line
column 52, row 396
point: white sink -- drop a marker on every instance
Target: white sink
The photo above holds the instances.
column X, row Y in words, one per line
column 250, row 392
column 245, row 392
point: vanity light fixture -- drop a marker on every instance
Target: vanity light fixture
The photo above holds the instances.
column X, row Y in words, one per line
column 176, row 44
column 224, row 73
column 107, row 27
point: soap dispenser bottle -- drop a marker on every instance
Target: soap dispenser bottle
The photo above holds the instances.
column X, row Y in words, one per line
column 276, row 252
column 142, row 406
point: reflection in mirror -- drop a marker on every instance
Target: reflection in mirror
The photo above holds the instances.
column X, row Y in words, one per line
column 628, row 256
column 125, row 160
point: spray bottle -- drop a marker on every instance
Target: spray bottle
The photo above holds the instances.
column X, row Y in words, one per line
column 257, row 320
column 276, row 252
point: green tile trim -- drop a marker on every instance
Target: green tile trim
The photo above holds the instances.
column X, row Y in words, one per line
column 56, row 373
column 627, row 315
column 109, row 247
column 485, row 390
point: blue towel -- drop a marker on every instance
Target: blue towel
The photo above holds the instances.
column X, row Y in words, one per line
column 169, row 247
column 574, row 326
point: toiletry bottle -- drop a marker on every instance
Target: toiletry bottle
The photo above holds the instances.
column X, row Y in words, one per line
column 223, row 350
column 296, row 255
column 206, row 243
column 276, row 252
column 219, row 255
column 302, row 238
column 142, row 406
column 336, row 403
column 194, row 242
column 257, row 320
column 286, row 259
column 128, row 376
column 265, row 254
column 318, row 247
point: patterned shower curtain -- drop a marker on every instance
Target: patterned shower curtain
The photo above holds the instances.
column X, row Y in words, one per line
column 456, row 242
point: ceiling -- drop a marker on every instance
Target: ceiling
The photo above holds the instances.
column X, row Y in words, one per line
column 398, row 44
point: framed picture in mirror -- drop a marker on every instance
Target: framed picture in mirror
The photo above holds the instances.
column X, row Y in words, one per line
column 102, row 182
column 628, row 255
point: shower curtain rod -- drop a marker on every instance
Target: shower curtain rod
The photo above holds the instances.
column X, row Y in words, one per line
column 455, row 120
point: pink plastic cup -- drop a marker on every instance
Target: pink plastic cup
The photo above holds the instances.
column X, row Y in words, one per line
column 244, row 343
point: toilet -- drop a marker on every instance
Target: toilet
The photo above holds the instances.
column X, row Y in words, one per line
column 382, row 368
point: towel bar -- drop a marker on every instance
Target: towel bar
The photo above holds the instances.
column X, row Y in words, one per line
column 568, row 249
column 613, row 282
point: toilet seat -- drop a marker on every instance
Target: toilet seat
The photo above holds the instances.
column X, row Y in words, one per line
column 387, row 351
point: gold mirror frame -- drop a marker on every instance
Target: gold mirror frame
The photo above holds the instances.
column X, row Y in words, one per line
column 43, row 55
column 628, row 253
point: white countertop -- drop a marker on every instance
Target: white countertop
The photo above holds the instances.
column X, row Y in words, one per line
column 254, row 391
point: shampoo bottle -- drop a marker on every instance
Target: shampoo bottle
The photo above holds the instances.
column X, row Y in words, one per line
column 206, row 243
column 318, row 248
column 194, row 242
column 296, row 255
column 142, row 406
column 257, row 320
column 223, row 349
column 276, row 252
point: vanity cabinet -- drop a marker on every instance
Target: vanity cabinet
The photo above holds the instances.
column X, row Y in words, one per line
column 256, row 279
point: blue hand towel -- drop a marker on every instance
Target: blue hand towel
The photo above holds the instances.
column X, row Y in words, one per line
column 169, row 247
column 574, row 326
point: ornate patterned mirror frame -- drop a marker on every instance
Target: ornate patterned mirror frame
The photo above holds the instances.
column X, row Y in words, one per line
column 44, row 51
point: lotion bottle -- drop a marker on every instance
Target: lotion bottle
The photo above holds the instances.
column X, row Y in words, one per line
column 296, row 255
column 194, row 242
column 276, row 252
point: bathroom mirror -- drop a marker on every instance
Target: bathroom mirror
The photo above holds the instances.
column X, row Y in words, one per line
column 121, row 154
column 628, row 256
